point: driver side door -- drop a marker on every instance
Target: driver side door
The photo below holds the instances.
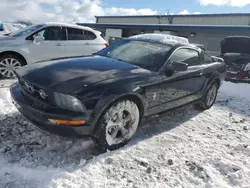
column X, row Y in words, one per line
column 183, row 86
column 52, row 47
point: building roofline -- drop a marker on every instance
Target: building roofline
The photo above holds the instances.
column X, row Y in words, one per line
column 179, row 15
column 169, row 27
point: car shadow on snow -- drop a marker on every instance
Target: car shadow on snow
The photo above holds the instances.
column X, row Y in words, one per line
column 21, row 141
column 164, row 122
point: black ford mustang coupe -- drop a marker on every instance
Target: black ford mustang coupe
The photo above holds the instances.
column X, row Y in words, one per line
column 106, row 95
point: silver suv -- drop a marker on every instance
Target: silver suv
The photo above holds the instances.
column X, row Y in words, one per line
column 46, row 41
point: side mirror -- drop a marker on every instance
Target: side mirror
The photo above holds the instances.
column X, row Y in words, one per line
column 175, row 66
column 38, row 39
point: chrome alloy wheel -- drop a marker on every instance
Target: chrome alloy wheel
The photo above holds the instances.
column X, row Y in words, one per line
column 7, row 67
column 211, row 95
column 122, row 124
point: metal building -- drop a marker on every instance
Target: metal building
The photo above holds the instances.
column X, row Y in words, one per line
column 206, row 29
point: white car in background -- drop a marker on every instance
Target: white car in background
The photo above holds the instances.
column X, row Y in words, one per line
column 46, row 41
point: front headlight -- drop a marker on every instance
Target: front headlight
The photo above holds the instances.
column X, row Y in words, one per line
column 247, row 67
column 68, row 102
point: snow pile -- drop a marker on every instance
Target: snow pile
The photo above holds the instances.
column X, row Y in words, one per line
column 184, row 148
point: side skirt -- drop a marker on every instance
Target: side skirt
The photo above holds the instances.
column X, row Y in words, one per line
column 179, row 103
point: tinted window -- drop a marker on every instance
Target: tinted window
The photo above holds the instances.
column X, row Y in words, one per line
column 191, row 57
column 51, row 33
column 147, row 55
column 90, row 35
column 76, row 34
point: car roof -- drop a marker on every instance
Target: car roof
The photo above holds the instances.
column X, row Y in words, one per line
column 162, row 38
column 67, row 25
column 170, row 40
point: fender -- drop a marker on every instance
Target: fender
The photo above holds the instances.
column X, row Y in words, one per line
column 214, row 77
column 217, row 79
column 108, row 99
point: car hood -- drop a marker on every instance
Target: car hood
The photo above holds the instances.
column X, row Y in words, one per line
column 237, row 44
column 71, row 74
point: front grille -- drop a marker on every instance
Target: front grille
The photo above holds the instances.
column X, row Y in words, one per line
column 33, row 97
column 32, row 90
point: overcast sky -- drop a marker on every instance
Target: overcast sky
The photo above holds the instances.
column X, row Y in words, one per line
column 86, row 10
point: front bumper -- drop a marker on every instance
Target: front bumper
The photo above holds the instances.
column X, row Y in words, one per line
column 41, row 118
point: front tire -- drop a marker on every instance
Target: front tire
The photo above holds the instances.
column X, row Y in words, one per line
column 8, row 64
column 209, row 98
column 117, row 125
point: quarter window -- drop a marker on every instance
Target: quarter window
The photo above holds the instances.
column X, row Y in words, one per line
column 91, row 36
column 76, row 34
column 189, row 56
column 79, row 34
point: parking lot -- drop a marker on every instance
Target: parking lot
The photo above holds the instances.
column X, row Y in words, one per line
column 73, row 80
column 184, row 148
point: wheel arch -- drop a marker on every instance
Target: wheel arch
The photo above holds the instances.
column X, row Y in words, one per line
column 215, row 77
column 217, row 80
column 103, row 105
column 137, row 100
column 14, row 53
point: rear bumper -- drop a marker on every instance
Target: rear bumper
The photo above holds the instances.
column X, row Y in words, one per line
column 41, row 118
column 240, row 77
column 237, row 80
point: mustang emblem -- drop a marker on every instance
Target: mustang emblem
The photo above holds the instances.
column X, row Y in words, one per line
column 29, row 87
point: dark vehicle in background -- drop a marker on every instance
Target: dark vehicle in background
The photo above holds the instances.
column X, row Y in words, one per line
column 106, row 95
column 235, row 51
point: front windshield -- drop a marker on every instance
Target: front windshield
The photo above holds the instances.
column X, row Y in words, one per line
column 25, row 31
column 147, row 55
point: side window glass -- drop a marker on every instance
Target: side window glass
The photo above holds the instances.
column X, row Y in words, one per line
column 76, row 34
column 41, row 33
column 52, row 33
column 90, row 35
column 189, row 56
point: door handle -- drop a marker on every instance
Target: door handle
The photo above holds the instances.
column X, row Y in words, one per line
column 59, row 44
column 200, row 73
column 87, row 43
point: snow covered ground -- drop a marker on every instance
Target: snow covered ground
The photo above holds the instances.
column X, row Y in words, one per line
column 182, row 149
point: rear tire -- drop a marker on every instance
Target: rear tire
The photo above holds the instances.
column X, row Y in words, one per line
column 9, row 63
column 209, row 98
column 117, row 125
